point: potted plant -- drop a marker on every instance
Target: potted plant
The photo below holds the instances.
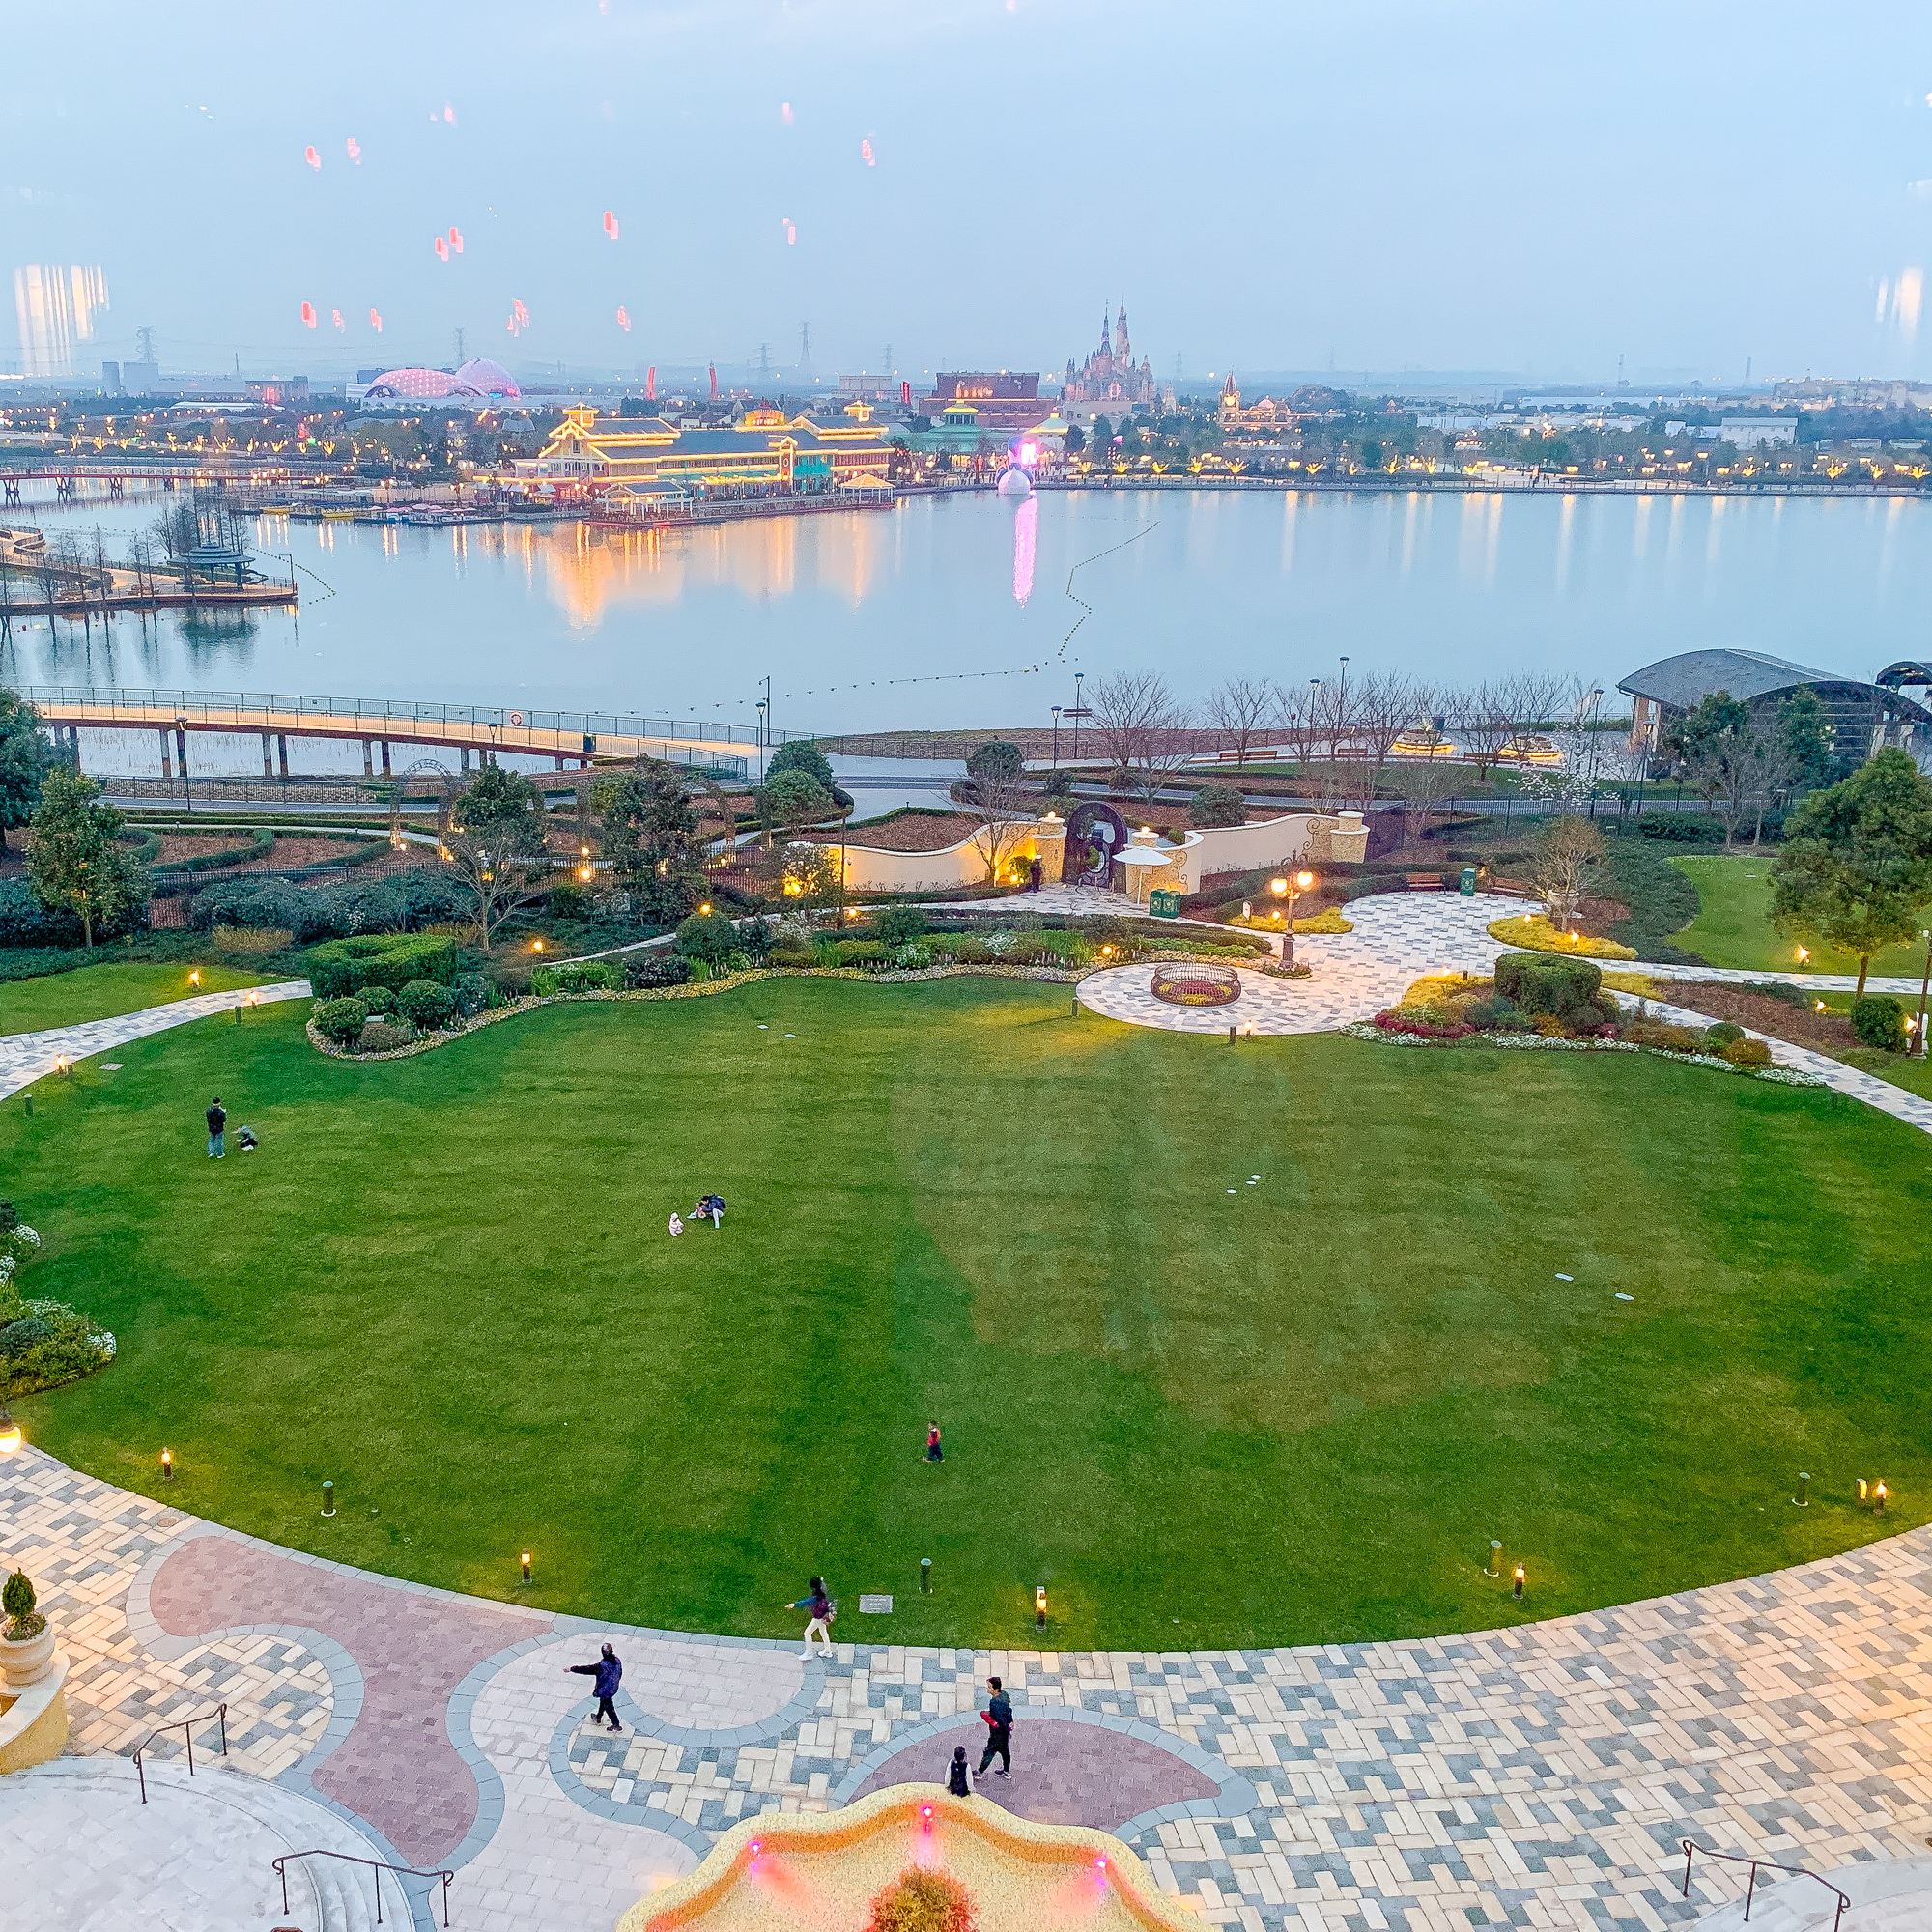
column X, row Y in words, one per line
column 26, row 1642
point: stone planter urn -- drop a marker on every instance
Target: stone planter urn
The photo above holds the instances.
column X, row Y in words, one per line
column 25, row 1660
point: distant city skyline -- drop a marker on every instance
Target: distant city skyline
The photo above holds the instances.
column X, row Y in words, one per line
column 1490, row 193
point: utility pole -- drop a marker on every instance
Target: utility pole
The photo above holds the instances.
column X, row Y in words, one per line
column 458, row 348
column 764, row 727
column 804, row 345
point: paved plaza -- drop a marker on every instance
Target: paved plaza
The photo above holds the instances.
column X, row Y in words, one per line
column 1540, row 1777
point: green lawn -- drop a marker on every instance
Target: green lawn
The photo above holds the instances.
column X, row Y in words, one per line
column 1733, row 926
column 100, row 992
column 1292, row 1411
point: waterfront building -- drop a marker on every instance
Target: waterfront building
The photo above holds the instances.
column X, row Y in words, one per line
column 764, row 451
column 1110, row 373
column 998, row 402
column 1864, row 718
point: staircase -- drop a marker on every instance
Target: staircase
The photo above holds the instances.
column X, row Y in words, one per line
column 1886, row 1894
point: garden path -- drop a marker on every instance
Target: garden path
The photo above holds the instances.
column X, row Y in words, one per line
column 27, row 1057
column 1537, row 1776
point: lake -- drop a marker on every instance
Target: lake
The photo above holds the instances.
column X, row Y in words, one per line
column 958, row 610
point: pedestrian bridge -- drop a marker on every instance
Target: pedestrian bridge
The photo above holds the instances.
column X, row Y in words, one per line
column 573, row 738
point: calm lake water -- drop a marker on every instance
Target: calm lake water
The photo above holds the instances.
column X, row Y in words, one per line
column 957, row 612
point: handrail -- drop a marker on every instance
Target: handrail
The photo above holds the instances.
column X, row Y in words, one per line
column 1690, row 1845
column 375, row 1865
column 182, row 1725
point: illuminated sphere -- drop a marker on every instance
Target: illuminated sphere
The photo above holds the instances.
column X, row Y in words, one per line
column 1015, row 481
column 417, row 384
column 481, row 377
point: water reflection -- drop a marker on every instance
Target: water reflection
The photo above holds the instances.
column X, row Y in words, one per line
column 1026, row 521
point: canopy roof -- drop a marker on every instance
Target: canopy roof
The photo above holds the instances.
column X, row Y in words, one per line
column 1685, row 681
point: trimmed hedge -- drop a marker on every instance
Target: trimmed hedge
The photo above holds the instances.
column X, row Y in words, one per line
column 340, row 1020
column 1878, row 1020
column 420, row 896
column 25, row 921
column 380, row 959
column 426, row 1003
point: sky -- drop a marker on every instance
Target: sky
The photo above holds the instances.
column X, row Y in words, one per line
column 1529, row 190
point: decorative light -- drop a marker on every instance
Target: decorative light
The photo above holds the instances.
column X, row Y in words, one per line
column 1277, row 887
column 10, row 1431
column 167, row 1465
column 1040, row 1608
column 1878, row 1496
column 1100, row 1862
column 583, row 871
column 536, row 946
column 757, row 1845
column 1517, row 1593
column 194, row 976
column 705, row 907
column 1804, row 953
column 526, row 1561
column 1305, row 880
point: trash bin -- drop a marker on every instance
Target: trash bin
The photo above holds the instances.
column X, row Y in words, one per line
column 1469, row 882
column 1163, row 903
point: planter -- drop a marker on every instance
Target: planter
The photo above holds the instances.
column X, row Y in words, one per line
column 24, row 1660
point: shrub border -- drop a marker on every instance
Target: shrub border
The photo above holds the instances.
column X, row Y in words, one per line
column 1779, row 1076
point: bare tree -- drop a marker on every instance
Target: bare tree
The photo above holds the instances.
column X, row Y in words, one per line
column 1567, row 857
column 997, row 796
column 1141, row 727
column 1533, row 701
column 1480, row 718
column 1239, row 711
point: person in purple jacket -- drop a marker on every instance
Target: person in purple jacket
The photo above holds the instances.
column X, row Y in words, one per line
column 609, row 1673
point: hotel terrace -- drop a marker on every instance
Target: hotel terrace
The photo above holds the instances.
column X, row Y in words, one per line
column 764, row 452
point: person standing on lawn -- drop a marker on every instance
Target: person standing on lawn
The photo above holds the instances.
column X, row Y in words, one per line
column 609, row 1673
column 822, row 1611
column 217, row 1122
column 998, row 1716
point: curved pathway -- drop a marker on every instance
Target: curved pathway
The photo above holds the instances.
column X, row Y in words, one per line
column 27, row 1057
column 1539, row 1777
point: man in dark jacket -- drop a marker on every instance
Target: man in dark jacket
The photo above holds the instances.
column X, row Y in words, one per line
column 609, row 1673
column 999, row 1720
column 218, row 1119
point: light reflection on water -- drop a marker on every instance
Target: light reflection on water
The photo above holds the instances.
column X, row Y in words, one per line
column 867, row 619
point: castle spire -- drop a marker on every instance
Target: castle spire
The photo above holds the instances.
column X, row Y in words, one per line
column 1123, row 348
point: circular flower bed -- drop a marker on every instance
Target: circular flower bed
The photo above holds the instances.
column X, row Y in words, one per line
column 1195, row 984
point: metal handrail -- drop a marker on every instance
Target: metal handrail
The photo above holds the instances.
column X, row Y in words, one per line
column 182, row 1725
column 1690, row 1845
column 375, row 1865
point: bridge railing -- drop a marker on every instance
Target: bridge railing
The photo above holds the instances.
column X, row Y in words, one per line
column 243, row 710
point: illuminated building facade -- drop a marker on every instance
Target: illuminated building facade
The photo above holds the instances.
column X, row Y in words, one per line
column 1110, row 373
column 997, row 401
column 55, row 308
column 764, row 452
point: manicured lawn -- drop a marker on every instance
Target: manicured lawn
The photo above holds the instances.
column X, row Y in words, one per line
column 1294, row 1411
column 100, row 992
column 1733, row 927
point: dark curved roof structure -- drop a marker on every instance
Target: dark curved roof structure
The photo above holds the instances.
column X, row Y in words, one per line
column 1685, row 681
column 1897, row 676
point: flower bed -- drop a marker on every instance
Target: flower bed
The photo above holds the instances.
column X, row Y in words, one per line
column 42, row 1343
column 1534, row 933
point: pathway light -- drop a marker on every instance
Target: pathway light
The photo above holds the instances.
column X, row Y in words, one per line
column 167, row 1465
column 10, row 1438
column 536, row 946
column 526, row 1561
column 1878, row 1496
column 194, row 976
column 1517, row 1593
column 1040, row 1608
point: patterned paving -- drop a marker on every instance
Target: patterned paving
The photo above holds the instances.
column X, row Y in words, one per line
column 27, row 1057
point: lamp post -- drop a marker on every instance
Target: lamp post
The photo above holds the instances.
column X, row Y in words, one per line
column 1056, row 737
column 1079, row 712
column 188, row 784
column 1288, row 894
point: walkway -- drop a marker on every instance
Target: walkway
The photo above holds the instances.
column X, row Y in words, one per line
column 27, row 1057
column 1536, row 1777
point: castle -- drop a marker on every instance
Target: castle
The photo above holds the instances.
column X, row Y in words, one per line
column 1109, row 374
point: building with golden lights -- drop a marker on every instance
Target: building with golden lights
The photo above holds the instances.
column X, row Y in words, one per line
column 764, row 452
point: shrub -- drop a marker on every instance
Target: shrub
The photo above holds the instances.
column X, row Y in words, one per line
column 1774, row 989
column 1719, row 1035
column 18, row 1337
column 1747, row 1053
column 658, row 969
column 922, row 1900
column 379, row 1000
column 1218, row 805
column 1543, row 983
column 380, row 959
column 1679, row 828
column 1878, row 1020
column 340, row 1020
column 252, row 941
column 1491, row 1013
column 471, row 993
column 17, row 1600
column 967, row 950
column 895, row 925
column 791, row 954
column 426, row 1003
column 1328, row 920
column 857, row 952
column 383, row 1036
column 1535, row 932
column 708, row 936
column 1662, row 1033
column 25, row 921
column 998, row 759
column 577, row 976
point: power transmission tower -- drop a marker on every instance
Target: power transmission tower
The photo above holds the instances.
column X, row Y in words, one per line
column 458, row 348
column 804, row 345
column 146, row 338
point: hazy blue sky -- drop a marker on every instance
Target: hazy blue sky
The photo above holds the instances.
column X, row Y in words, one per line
column 1524, row 188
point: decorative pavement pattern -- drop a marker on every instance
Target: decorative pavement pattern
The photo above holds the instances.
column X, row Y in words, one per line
column 1536, row 1777
column 27, row 1057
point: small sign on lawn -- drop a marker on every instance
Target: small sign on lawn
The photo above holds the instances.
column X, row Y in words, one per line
column 875, row 1606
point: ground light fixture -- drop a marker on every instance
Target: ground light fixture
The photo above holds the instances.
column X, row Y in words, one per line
column 524, row 1559
column 1878, row 1496
column 327, row 1496
column 194, row 976
column 167, row 1465
column 1040, row 1608
column 11, row 1436
column 536, row 946
column 1517, row 1592
column 1803, row 1499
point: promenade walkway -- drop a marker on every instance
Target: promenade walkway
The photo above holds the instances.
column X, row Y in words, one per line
column 1537, row 1777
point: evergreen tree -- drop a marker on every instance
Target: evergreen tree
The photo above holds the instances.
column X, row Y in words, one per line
column 24, row 758
column 1805, row 740
column 651, row 839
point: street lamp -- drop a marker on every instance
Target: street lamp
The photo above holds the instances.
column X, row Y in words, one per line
column 181, row 741
column 1056, row 737
column 1924, row 986
column 1287, row 894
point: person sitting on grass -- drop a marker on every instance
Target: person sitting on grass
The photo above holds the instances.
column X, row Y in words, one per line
column 710, row 1208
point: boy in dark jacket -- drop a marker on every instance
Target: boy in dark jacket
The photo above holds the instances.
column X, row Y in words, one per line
column 609, row 1673
column 998, row 1716
column 955, row 1773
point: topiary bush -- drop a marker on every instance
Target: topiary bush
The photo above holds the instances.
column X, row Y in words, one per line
column 340, row 1020
column 17, row 1600
column 426, row 1003
column 1218, row 805
column 1747, row 1053
column 380, row 959
column 708, row 936
column 922, row 1900
column 1548, row 982
column 1721, row 1033
column 378, row 999
column 1878, row 1020
column 471, row 993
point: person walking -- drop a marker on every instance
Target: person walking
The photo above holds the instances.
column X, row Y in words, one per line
column 998, row 1718
column 955, row 1773
column 609, row 1673
column 217, row 1123
column 822, row 1613
column 933, row 1452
